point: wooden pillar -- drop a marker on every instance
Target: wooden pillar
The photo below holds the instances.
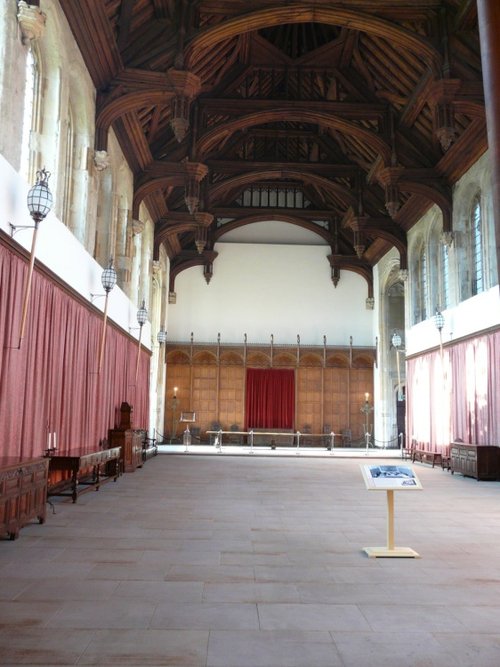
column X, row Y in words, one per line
column 489, row 29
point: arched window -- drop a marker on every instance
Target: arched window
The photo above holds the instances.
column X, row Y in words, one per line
column 475, row 247
column 68, row 170
column 444, row 273
column 421, row 287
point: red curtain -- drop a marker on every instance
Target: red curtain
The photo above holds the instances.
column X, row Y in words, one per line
column 270, row 398
column 50, row 384
column 456, row 395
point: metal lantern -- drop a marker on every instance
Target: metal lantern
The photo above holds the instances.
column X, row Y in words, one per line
column 142, row 314
column 439, row 320
column 108, row 277
column 40, row 198
column 162, row 336
column 396, row 340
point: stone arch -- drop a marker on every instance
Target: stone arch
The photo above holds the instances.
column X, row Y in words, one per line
column 81, row 111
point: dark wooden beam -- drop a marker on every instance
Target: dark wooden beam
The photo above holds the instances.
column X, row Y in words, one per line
column 237, row 107
column 238, row 167
column 94, row 35
column 126, row 10
column 466, row 16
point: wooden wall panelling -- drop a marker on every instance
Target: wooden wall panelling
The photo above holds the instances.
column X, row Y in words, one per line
column 361, row 382
column 309, row 396
column 212, row 383
column 178, row 375
column 335, row 398
column 205, row 398
column 232, row 396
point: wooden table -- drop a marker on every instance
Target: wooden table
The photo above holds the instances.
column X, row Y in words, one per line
column 86, row 468
column 23, row 492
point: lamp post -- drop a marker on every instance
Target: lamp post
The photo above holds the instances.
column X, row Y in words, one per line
column 108, row 280
column 439, row 322
column 142, row 316
column 39, row 204
column 161, row 337
column 174, row 404
column 396, row 344
column 366, row 410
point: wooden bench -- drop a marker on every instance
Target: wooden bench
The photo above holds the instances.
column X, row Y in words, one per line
column 424, row 456
column 85, row 469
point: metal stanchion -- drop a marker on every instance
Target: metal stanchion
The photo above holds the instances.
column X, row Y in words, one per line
column 186, row 438
column 298, row 443
column 251, row 442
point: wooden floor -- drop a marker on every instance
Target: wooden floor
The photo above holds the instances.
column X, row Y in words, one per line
column 210, row 561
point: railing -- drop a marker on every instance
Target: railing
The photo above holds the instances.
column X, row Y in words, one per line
column 329, row 441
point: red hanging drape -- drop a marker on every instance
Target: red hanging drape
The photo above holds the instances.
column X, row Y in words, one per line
column 51, row 383
column 456, row 396
column 270, row 398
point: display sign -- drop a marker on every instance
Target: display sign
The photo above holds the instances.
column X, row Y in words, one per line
column 390, row 477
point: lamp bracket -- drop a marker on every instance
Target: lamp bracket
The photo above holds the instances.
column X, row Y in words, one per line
column 16, row 228
column 94, row 296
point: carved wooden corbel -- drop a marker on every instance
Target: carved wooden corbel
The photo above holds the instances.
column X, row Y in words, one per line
column 388, row 178
column 442, row 94
column 187, row 86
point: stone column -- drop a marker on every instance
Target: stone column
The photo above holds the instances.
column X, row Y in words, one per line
column 123, row 249
column 489, row 29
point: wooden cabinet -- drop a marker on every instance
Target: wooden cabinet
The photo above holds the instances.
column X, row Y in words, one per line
column 23, row 493
column 130, row 442
column 479, row 461
column 129, row 439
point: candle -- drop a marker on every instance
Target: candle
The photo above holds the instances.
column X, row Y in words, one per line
column 55, row 444
column 48, row 441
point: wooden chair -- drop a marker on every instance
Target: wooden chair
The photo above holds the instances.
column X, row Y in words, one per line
column 305, row 441
column 346, row 435
column 236, row 439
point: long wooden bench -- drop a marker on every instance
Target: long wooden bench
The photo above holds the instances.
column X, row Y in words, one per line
column 85, row 469
column 424, row 456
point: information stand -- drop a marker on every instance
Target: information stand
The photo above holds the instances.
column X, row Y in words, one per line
column 390, row 478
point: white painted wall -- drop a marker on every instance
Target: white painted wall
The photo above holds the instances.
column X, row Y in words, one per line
column 284, row 290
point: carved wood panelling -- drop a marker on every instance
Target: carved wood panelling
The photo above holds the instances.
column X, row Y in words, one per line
column 330, row 389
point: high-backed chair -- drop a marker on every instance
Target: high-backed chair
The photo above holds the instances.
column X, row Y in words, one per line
column 346, row 435
column 235, row 439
